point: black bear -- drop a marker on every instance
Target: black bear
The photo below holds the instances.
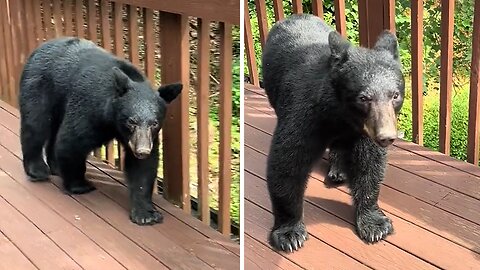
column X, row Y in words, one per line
column 75, row 97
column 328, row 93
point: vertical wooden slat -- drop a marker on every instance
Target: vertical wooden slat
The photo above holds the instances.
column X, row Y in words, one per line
column 57, row 18
column 18, row 46
column 23, row 34
column 4, row 79
column 340, row 19
column 7, row 38
column 150, row 68
column 262, row 20
column 417, row 71
column 67, row 9
column 79, row 22
column 317, row 8
column 202, row 117
column 389, row 15
column 30, row 23
column 118, row 28
column 225, row 117
column 107, row 45
column 362, row 23
column 473, row 146
column 47, row 19
column 374, row 17
column 446, row 64
column 105, row 25
column 39, row 27
column 92, row 21
column 297, row 6
column 149, row 45
column 118, row 46
column 249, row 49
column 133, row 35
column 277, row 7
column 174, row 45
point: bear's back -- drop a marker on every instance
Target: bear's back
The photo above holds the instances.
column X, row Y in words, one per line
column 296, row 49
column 69, row 65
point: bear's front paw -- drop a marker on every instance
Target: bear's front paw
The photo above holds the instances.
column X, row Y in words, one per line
column 145, row 217
column 373, row 225
column 289, row 237
column 80, row 187
column 37, row 171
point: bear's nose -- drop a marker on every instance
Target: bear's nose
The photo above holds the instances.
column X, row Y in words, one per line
column 385, row 140
column 142, row 153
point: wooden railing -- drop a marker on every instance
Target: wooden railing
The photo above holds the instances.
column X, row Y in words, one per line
column 141, row 30
column 373, row 17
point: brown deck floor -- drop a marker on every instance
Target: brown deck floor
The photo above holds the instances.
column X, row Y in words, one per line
column 433, row 200
column 42, row 228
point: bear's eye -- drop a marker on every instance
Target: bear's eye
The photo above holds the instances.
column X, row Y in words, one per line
column 131, row 122
column 155, row 124
column 365, row 99
column 396, row 95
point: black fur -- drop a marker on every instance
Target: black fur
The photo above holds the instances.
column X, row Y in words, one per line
column 75, row 97
column 314, row 80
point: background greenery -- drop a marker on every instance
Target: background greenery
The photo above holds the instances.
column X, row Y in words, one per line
column 463, row 28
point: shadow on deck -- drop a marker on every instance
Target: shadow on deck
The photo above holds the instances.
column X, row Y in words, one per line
column 433, row 200
column 40, row 227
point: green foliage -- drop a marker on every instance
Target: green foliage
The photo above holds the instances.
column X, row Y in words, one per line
column 458, row 144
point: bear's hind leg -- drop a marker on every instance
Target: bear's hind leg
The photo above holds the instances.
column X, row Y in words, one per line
column 337, row 173
column 141, row 175
column 34, row 132
column 289, row 162
column 71, row 151
column 50, row 149
column 367, row 172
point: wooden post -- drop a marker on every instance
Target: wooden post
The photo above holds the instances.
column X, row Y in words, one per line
column 262, row 20
column 249, row 49
column 370, row 24
column 473, row 146
column 225, row 116
column 417, row 71
column 175, row 61
column 446, row 75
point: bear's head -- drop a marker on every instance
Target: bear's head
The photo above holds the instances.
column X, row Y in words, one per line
column 139, row 110
column 369, row 84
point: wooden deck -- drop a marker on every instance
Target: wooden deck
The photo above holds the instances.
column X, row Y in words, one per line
column 433, row 200
column 42, row 228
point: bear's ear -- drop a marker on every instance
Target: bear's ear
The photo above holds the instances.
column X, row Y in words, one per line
column 387, row 41
column 170, row 91
column 122, row 82
column 338, row 45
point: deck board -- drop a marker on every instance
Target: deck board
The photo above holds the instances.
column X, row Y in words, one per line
column 47, row 229
column 433, row 202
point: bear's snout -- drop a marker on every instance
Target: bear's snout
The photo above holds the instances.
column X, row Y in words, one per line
column 141, row 143
column 381, row 124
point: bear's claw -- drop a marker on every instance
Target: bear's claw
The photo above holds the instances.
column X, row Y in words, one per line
column 146, row 217
column 373, row 226
column 289, row 238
